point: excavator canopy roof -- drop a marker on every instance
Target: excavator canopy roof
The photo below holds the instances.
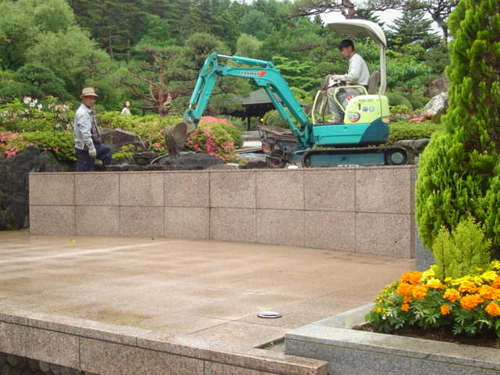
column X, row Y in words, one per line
column 356, row 27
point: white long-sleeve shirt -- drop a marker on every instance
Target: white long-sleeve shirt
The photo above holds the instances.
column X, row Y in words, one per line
column 358, row 73
column 85, row 128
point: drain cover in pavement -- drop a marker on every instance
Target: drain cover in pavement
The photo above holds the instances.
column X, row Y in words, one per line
column 269, row 315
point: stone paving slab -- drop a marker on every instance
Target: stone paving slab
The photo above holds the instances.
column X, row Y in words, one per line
column 190, row 305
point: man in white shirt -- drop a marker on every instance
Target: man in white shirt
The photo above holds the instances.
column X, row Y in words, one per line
column 358, row 75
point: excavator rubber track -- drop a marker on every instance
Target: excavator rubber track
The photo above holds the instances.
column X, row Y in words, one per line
column 362, row 156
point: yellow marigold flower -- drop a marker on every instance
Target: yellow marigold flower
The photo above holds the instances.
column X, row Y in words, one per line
column 434, row 284
column 407, row 299
column 405, row 307
column 489, row 276
column 429, row 274
column 495, row 265
column 404, row 289
column 419, row 292
column 471, row 301
column 467, row 287
column 493, row 309
column 445, row 309
column 411, row 277
column 496, row 283
column 487, row 292
column 379, row 310
column 451, row 295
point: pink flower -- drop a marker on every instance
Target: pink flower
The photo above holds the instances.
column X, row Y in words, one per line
column 10, row 153
column 215, row 119
column 417, row 119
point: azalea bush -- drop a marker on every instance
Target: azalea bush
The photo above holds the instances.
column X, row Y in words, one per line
column 468, row 305
column 216, row 137
column 31, row 114
column 61, row 143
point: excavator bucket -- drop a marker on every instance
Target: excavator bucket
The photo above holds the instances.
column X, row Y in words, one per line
column 176, row 136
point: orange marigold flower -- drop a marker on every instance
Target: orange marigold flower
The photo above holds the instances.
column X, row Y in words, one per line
column 467, row 287
column 411, row 277
column 445, row 309
column 404, row 289
column 451, row 295
column 405, row 307
column 471, row 301
column 487, row 292
column 493, row 309
column 407, row 299
column 496, row 283
column 419, row 292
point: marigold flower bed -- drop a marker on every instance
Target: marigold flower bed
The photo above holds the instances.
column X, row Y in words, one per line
column 449, row 310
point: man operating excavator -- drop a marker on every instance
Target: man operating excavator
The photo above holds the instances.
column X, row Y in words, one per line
column 358, row 75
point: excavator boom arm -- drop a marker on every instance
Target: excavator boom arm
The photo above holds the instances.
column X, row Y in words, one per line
column 263, row 74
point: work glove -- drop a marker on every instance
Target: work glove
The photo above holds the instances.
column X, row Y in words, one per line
column 92, row 152
column 337, row 77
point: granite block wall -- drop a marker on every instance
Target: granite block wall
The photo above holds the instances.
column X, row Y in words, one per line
column 358, row 210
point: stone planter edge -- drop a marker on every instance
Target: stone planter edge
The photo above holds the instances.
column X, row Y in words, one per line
column 336, row 333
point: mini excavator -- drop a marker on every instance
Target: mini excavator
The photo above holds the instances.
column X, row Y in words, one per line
column 314, row 142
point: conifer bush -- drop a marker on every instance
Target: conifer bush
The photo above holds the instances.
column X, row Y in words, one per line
column 459, row 172
column 462, row 251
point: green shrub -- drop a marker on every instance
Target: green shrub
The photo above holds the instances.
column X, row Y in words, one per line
column 461, row 252
column 410, row 130
column 61, row 143
column 459, row 172
column 150, row 128
column 400, row 112
column 126, row 152
column 398, row 99
column 34, row 115
column 273, row 118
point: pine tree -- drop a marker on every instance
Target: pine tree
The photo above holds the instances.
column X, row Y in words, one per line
column 412, row 27
column 459, row 172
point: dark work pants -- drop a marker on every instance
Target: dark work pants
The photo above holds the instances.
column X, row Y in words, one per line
column 86, row 164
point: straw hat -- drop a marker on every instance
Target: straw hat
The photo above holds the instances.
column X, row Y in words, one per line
column 88, row 91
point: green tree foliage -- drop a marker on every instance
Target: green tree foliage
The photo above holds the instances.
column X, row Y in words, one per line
column 412, row 27
column 248, row 46
column 461, row 252
column 50, row 53
column 459, row 173
column 256, row 23
column 40, row 82
column 297, row 73
column 108, row 44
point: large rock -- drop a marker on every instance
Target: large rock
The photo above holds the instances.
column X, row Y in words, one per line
column 189, row 161
column 417, row 146
column 436, row 106
column 183, row 161
column 117, row 138
column 437, row 86
column 14, row 200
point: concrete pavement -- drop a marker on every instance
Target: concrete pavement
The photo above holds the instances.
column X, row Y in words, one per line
column 206, row 293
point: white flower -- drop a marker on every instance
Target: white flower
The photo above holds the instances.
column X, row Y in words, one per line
column 39, row 106
column 26, row 99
